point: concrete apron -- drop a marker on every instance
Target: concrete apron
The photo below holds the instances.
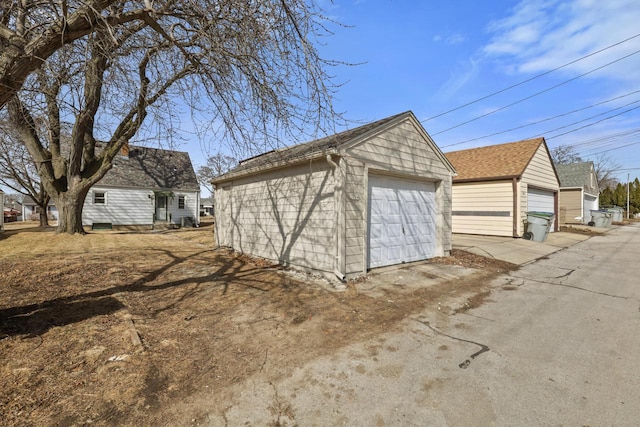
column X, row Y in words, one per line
column 517, row 251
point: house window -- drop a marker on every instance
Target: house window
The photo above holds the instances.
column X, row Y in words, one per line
column 99, row 198
column 180, row 202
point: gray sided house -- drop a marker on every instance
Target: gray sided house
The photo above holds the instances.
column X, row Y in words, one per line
column 376, row 195
column 579, row 192
column 30, row 211
column 497, row 185
column 147, row 187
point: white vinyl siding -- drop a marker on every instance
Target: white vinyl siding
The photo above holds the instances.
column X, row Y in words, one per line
column 483, row 208
column 127, row 206
column 286, row 215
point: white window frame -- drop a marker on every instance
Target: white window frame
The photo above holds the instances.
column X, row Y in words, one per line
column 104, row 198
column 182, row 199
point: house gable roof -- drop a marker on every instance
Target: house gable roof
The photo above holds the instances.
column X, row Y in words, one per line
column 327, row 145
column 152, row 168
column 493, row 162
column 575, row 174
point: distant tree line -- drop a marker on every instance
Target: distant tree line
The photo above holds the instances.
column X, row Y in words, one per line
column 618, row 196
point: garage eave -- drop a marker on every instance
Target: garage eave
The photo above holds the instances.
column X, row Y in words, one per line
column 272, row 166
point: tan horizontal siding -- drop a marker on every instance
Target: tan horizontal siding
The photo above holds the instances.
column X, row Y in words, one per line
column 540, row 172
column 483, row 198
column 570, row 206
column 285, row 215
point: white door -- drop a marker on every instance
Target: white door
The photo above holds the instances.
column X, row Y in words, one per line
column 541, row 201
column 161, row 208
column 401, row 220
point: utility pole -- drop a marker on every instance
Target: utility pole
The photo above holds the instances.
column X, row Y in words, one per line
column 627, row 195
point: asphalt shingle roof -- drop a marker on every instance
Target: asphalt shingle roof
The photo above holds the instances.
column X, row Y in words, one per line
column 495, row 161
column 300, row 151
column 152, row 168
column 575, row 174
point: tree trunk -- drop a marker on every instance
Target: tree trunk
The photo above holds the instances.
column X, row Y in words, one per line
column 70, row 206
column 44, row 219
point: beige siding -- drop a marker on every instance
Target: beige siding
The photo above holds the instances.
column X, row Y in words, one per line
column 286, row 215
column 483, row 208
column 356, row 217
column 570, row 202
column 540, row 172
column 402, row 151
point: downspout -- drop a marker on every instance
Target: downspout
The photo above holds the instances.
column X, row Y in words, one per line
column 336, row 269
column 516, row 205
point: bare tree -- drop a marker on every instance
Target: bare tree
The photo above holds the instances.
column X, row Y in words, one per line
column 605, row 168
column 18, row 173
column 217, row 165
column 103, row 67
column 565, row 155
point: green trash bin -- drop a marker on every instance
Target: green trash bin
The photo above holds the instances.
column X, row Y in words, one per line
column 538, row 226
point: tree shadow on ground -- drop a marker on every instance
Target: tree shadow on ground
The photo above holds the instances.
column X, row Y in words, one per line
column 35, row 319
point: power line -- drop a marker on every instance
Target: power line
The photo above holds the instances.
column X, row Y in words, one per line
column 536, row 94
column 611, row 149
column 593, row 117
column 542, row 120
column 594, row 123
column 528, row 80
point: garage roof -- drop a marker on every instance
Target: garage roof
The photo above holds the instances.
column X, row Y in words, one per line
column 575, row 174
column 326, row 145
column 495, row 161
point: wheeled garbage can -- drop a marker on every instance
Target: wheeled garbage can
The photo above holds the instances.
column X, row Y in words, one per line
column 538, row 225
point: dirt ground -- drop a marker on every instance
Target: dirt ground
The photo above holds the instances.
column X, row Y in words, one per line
column 128, row 328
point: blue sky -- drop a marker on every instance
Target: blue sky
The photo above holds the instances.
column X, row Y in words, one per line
column 431, row 57
column 434, row 56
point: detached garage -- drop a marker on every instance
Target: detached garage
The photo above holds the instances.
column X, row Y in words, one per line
column 579, row 192
column 497, row 185
column 372, row 196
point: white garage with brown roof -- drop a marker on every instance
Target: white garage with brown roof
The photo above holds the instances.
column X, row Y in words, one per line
column 376, row 195
column 497, row 185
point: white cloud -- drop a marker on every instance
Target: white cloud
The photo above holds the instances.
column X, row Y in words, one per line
column 541, row 35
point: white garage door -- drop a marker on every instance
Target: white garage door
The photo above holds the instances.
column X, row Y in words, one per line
column 401, row 220
column 590, row 203
column 540, row 201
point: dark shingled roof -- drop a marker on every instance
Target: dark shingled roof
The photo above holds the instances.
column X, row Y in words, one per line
column 575, row 174
column 152, row 168
column 300, row 151
column 495, row 161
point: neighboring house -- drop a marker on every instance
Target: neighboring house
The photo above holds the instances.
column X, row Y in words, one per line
column 376, row 195
column 31, row 211
column 497, row 185
column 579, row 192
column 145, row 187
column 206, row 206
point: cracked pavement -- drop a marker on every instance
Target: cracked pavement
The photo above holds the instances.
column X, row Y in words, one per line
column 557, row 343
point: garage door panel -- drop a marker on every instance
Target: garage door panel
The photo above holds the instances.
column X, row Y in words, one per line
column 541, row 201
column 401, row 220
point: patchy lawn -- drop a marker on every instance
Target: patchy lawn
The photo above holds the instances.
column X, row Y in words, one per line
column 128, row 328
